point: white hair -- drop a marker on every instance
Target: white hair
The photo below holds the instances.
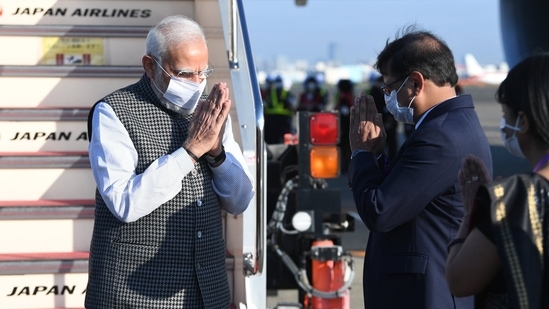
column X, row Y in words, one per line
column 170, row 31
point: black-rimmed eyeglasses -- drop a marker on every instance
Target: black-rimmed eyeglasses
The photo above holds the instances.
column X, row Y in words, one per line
column 386, row 89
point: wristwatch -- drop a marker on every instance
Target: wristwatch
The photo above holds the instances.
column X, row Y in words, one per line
column 215, row 161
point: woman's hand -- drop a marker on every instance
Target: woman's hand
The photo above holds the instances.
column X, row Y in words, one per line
column 472, row 175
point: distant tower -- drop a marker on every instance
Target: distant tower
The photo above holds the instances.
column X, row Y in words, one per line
column 333, row 52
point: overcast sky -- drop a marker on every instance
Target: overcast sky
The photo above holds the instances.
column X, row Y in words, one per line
column 359, row 28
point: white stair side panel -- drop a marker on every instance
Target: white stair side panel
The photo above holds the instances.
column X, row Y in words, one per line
column 34, row 136
column 30, row 51
column 29, row 236
column 58, row 92
column 46, row 184
column 43, row 291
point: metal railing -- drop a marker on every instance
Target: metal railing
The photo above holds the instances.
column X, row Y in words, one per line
column 243, row 72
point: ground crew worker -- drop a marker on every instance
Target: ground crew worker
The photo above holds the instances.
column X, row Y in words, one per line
column 279, row 106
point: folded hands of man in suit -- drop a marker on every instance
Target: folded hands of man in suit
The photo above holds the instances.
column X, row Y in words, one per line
column 366, row 129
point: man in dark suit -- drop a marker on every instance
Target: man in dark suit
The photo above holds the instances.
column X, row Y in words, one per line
column 412, row 205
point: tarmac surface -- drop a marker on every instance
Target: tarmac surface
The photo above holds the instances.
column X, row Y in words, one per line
column 504, row 164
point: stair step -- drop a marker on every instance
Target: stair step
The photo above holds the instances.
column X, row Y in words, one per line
column 123, row 40
column 46, row 175
column 47, row 209
column 44, row 263
column 56, row 235
column 35, row 130
column 43, row 291
column 46, row 184
column 37, row 280
column 44, row 114
column 44, row 159
column 53, row 91
column 46, row 225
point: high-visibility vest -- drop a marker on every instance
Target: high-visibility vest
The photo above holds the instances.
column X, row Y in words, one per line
column 277, row 106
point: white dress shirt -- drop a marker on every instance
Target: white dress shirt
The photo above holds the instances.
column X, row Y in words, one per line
column 130, row 196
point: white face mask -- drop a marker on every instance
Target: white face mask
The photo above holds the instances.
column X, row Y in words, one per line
column 401, row 113
column 182, row 93
column 511, row 144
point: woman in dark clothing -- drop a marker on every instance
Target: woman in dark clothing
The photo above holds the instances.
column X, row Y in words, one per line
column 501, row 251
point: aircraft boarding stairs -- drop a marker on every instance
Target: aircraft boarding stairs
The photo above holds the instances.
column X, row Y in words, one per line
column 46, row 185
column 47, row 188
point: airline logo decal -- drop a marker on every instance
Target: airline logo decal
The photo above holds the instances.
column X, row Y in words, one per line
column 43, row 136
column 66, row 12
column 43, row 290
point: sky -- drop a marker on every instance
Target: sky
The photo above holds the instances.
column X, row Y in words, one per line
column 359, row 28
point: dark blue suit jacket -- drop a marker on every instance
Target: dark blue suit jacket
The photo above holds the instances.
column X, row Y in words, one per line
column 414, row 208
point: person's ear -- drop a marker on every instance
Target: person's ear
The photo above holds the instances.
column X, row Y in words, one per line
column 148, row 65
column 523, row 123
column 418, row 80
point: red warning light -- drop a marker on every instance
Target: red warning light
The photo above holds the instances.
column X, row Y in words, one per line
column 324, row 129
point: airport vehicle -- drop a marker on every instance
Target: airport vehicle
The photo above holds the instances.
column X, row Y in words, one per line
column 306, row 222
column 70, row 53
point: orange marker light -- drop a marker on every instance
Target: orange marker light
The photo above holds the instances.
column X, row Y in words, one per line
column 324, row 162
